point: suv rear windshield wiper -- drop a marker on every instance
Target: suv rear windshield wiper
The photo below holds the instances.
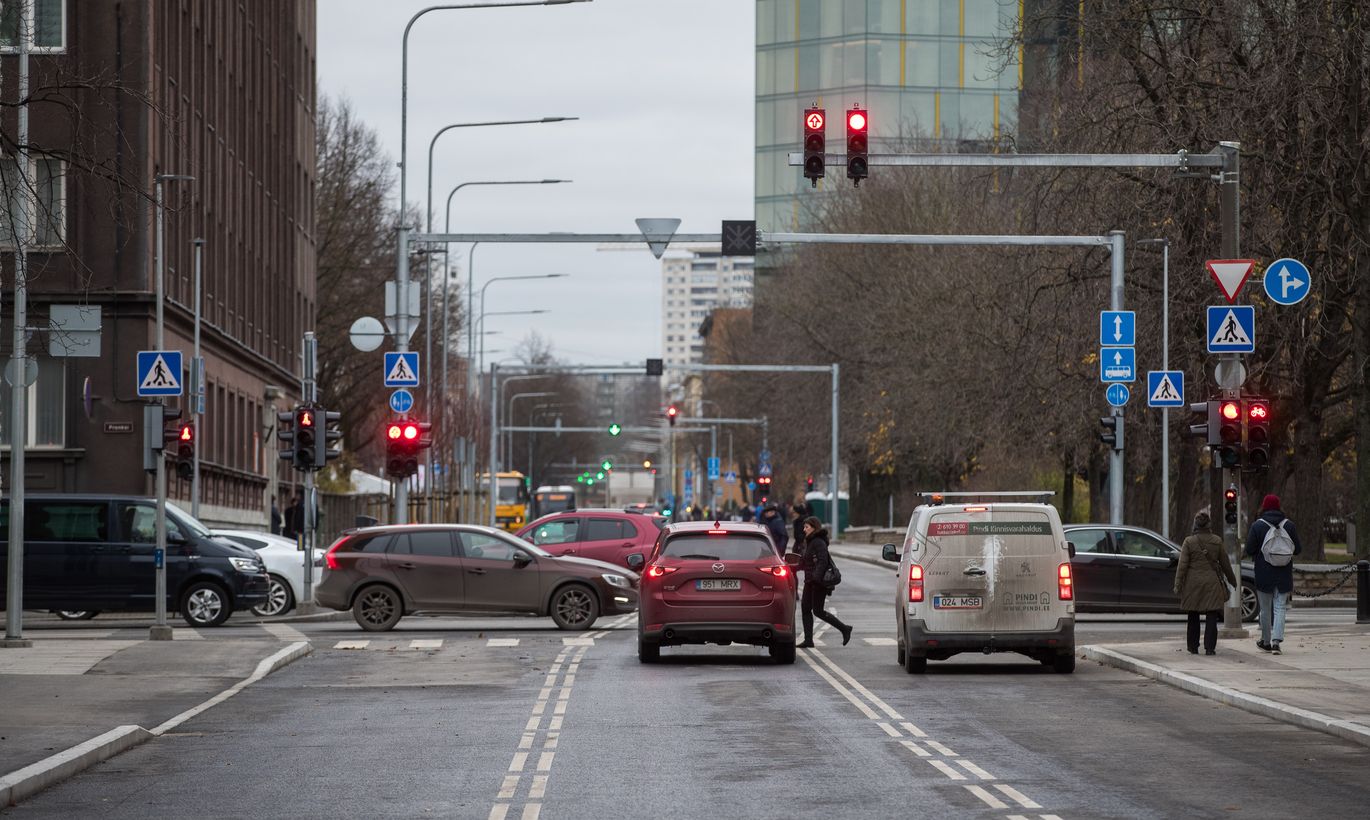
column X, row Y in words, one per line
column 701, row 557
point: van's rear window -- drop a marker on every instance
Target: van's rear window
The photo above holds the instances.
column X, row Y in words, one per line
column 719, row 547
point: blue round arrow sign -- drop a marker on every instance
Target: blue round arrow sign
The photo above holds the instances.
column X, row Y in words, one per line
column 401, row 401
column 1287, row 281
column 1117, row 394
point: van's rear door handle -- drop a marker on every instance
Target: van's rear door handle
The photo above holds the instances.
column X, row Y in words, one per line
column 974, row 571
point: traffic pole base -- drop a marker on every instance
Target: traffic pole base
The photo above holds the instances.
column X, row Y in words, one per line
column 15, row 643
column 159, row 633
column 307, row 609
column 1238, row 632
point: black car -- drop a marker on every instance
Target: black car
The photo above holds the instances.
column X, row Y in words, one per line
column 1132, row 569
column 87, row 554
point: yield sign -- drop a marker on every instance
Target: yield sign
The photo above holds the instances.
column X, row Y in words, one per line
column 658, row 233
column 1230, row 274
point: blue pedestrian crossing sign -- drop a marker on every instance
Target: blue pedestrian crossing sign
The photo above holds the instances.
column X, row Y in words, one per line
column 1165, row 388
column 1117, row 364
column 1231, row 329
column 401, row 401
column 402, row 369
column 159, row 372
column 1287, row 281
column 730, row 477
column 713, row 469
column 1117, row 394
column 1117, row 328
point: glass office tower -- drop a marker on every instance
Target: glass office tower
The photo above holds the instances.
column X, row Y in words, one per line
column 940, row 70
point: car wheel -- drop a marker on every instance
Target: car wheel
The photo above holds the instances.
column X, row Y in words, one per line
column 900, row 652
column 1064, row 663
column 915, row 664
column 783, row 653
column 76, row 614
column 648, row 651
column 377, row 608
column 574, row 608
column 279, row 599
column 1251, row 605
column 205, row 604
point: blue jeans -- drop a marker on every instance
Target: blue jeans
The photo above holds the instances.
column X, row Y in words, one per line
column 1273, row 604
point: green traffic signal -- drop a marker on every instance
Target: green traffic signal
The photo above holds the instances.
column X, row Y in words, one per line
column 580, row 479
column 615, row 429
column 607, row 465
column 600, row 475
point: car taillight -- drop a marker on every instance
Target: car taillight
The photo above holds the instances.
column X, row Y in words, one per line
column 657, row 572
column 915, row 583
column 330, row 560
column 1065, row 584
column 778, row 571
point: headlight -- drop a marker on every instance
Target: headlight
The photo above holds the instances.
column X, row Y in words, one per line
column 616, row 580
column 245, row 565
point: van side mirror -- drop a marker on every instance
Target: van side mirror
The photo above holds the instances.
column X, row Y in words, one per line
column 635, row 561
column 174, row 536
column 1070, row 548
column 890, row 553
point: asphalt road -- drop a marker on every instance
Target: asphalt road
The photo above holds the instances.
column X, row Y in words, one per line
column 504, row 718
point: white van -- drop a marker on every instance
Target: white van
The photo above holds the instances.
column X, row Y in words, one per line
column 984, row 576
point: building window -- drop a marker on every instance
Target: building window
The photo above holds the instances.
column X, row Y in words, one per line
column 49, row 214
column 47, row 411
column 49, row 26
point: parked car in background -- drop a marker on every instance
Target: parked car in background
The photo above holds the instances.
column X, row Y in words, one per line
column 616, row 536
column 1132, row 569
column 284, row 562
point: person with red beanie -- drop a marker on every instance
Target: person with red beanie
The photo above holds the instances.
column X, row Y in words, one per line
column 1267, row 544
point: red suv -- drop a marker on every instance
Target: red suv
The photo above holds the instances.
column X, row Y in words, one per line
column 613, row 536
column 717, row 583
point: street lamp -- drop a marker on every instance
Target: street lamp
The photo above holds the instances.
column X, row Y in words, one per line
column 509, row 418
column 483, row 314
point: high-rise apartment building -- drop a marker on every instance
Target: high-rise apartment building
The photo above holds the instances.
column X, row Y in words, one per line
column 692, row 286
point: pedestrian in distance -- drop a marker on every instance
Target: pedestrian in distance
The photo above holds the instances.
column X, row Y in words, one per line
column 1201, row 580
column 275, row 517
column 770, row 517
column 1272, row 542
column 294, row 519
column 801, row 512
column 746, row 513
column 820, row 577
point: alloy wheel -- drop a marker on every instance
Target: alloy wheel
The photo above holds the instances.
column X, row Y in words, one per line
column 574, row 606
column 204, row 605
column 277, row 599
column 378, row 607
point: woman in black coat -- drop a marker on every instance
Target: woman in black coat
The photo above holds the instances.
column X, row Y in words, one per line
column 816, row 563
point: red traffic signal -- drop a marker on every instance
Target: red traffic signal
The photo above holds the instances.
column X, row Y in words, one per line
column 411, row 432
column 1229, row 494
column 393, row 432
column 858, row 145
column 671, row 413
column 187, row 433
column 815, row 141
column 306, row 418
column 856, row 120
column 1230, row 410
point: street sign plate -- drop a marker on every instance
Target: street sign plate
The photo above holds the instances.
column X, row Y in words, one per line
column 1165, row 388
column 658, row 233
column 1287, row 281
column 1230, row 274
column 730, row 477
column 159, row 373
column 764, row 470
column 402, row 369
column 713, row 469
column 739, row 237
column 1230, row 375
column 1117, row 394
column 1117, row 328
column 765, row 456
column 1117, row 364
column 1231, row 329
column 401, row 401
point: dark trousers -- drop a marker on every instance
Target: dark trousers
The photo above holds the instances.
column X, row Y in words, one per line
column 811, row 604
column 1210, row 630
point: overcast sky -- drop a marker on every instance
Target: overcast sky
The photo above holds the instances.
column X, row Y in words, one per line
column 664, row 93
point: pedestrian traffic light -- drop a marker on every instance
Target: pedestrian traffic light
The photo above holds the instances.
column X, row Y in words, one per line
column 1230, row 504
column 1112, row 432
column 332, row 437
column 171, row 429
column 615, row 429
column 1200, row 419
column 858, row 129
column 185, row 451
column 306, row 438
column 815, row 144
column 1229, row 437
column 1258, row 434
column 671, row 413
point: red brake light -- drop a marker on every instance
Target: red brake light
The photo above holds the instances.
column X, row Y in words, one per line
column 657, row 572
column 1065, row 584
column 915, row 583
column 329, row 559
column 718, row 532
column 778, row 571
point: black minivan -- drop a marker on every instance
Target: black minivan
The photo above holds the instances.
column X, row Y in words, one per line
column 88, row 553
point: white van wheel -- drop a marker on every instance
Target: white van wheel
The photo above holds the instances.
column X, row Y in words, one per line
column 915, row 664
column 1064, row 663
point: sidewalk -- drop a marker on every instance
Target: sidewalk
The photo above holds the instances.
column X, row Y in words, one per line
column 63, row 692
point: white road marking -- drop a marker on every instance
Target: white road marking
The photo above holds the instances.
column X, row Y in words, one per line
column 577, row 641
column 498, row 811
column 940, row 749
column 539, row 789
column 913, row 730
column 879, row 641
column 496, row 642
column 526, row 742
column 1017, row 796
column 531, row 811
column 351, row 644
column 511, row 784
column 565, row 693
column 976, row 770
column 889, row 730
column 555, row 725
column 855, row 684
column 990, row 800
column 1049, row 817
column 419, row 643
column 1017, row 817
column 551, row 741
column 532, row 724
column 185, row 633
column 545, row 761
column 915, row 748
column 842, row 690
column 947, row 770
column 561, row 708
column 285, row 632
column 517, row 764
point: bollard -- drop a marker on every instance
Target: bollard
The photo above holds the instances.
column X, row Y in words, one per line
column 1363, row 592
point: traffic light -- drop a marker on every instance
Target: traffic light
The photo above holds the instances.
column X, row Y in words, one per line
column 646, row 464
column 606, row 465
column 332, row 437
column 400, row 458
column 1201, row 418
column 858, row 160
column 1230, row 504
column 1229, row 433
column 1112, row 434
column 285, row 435
column 161, row 434
column 171, row 429
column 185, row 451
column 615, row 429
column 1258, row 434
column 808, row 484
column 815, row 144
column 306, row 438
column 671, row 413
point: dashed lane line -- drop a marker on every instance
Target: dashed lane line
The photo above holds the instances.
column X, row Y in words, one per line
column 989, row 799
column 915, row 748
column 420, row 643
column 939, row 748
column 975, row 770
column 946, row 769
column 879, row 641
column 351, row 644
column 1018, row 797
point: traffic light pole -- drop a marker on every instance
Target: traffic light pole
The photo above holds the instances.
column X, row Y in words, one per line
column 197, row 387
column 1229, row 213
column 401, row 514
column 309, row 392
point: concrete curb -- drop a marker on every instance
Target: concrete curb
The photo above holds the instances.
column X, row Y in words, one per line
column 317, row 617
column 49, row 771
column 1354, row 732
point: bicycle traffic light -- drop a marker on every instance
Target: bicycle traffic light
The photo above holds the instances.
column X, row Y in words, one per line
column 858, row 159
column 1229, row 433
column 1230, row 504
column 815, row 144
column 1112, row 432
column 1258, row 433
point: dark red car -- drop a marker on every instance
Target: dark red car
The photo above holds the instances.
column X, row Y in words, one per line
column 613, row 536
column 720, row 583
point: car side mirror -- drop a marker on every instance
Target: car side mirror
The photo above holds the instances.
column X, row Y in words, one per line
column 1174, row 559
column 635, row 561
column 890, row 553
column 1070, row 548
column 521, row 560
column 792, row 559
column 175, row 537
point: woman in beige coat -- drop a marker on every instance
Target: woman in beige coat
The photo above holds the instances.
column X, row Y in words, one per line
column 1199, row 583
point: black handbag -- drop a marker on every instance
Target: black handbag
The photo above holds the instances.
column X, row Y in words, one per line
column 832, row 576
